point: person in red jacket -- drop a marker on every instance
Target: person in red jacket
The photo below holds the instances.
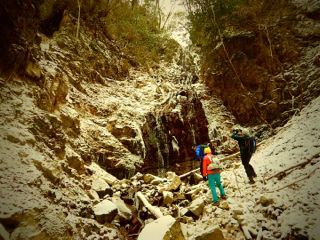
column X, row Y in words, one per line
column 213, row 175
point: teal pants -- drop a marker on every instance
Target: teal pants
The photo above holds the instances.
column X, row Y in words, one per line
column 214, row 180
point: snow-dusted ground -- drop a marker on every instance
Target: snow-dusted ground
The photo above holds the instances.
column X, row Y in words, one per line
column 274, row 207
column 296, row 142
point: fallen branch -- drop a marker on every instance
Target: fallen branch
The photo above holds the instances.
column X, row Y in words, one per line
column 260, row 234
column 189, row 173
column 246, row 232
column 288, row 185
column 283, row 172
column 154, row 210
column 237, row 182
column 78, row 21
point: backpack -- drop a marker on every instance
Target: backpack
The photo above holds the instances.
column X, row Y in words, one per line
column 200, row 150
column 215, row 163
column 251, row 145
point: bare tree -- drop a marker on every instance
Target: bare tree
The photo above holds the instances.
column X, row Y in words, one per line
column 78, row 21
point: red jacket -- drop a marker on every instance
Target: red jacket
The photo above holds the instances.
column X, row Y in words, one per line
column 206, row 161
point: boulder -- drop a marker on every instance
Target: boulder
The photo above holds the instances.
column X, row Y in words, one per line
column 237, row 211
column 197, row 206
column 137, row 176
column 105, row 211
column 164, row 228
column 156, row 181
column 101, row 187
column 93, row 195
column 224, row 205
column 167, row 197
column 183, row 211
column 174, row 181
column 100, row 173
column 124, row 212
column 265, row 201
column 215, row 234
column 193, row 194
column 147, row 178
column 179, row 196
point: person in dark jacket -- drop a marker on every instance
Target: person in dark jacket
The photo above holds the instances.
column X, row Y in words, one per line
column 238, row 135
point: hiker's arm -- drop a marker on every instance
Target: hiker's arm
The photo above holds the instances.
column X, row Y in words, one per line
column 237, row 137
column 204, row 167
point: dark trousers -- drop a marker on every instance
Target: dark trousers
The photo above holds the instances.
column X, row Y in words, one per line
column 245, row 159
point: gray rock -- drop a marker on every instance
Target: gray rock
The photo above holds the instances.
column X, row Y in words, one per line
column 215, row 234
column 237, row 211
column 265, row 201
column 156, row 181
column 101, row 187
column 164, row 228
column 100, row 173
column 193, row 194
column 167, row 197
column 197, row 206
column 93, row 195
column 105, row 211
column 183, row 211
column 124, row 212
column 147, row 178
column 224, row 205
column 174, row 181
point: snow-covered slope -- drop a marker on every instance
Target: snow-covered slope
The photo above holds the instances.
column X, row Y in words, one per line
column 282, row 207
column 297, row 142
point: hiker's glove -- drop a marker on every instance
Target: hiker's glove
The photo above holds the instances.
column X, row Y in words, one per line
column 205, row 178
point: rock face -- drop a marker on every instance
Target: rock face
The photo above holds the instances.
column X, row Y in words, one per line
column 147, row 125
column 275, row 64
column 170, row 132
column 72, row 112
column 75, row 120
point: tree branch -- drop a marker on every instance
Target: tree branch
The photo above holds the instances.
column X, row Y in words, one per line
column 154, row 210
column 290, row 184
column 283, row 172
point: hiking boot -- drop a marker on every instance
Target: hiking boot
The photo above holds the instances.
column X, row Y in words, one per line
column 251, row 181
column 216, row 204
column 224, row 197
